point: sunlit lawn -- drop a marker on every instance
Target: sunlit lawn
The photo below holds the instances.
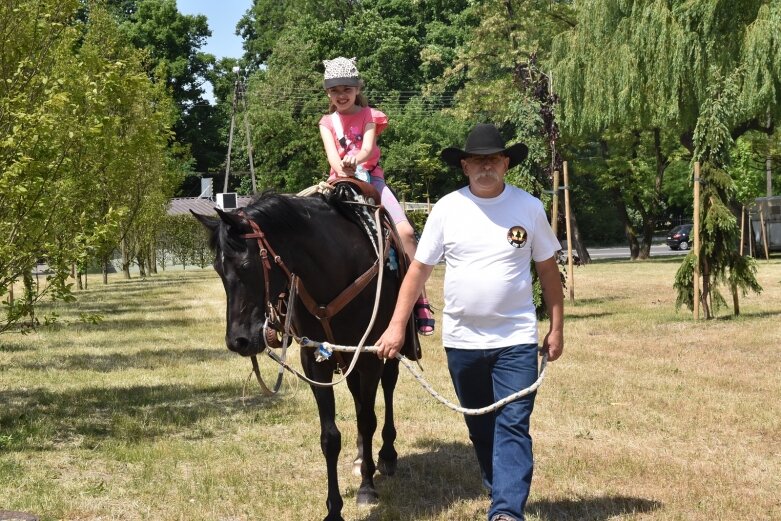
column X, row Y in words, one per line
column 144, row 416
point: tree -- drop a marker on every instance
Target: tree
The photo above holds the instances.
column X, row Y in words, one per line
column 646, row 66
column 718, row 259
column 83, row 125
column 172, row 41
column 286, row 99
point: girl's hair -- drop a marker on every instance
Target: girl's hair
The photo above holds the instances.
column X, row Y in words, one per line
column 360, row 99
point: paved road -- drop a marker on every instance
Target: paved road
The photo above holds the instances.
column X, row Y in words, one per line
column 622, row 252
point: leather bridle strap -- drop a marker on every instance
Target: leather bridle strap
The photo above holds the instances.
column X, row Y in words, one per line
column 265, row 249
column 322, row 313
column 325, row 313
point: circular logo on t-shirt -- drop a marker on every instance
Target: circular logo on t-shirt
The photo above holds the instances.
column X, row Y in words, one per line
column 516, row 236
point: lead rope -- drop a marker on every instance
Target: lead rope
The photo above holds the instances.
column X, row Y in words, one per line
column 325, row 349
column 323, row 355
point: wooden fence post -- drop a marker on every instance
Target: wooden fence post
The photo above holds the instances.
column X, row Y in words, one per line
column 696, row 240
column 570, row 263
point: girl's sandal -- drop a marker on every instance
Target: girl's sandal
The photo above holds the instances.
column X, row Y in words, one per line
column 424, row 320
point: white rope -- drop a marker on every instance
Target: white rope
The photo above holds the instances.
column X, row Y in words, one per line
column 325, row 349
column 358, row 350
column 322, row 187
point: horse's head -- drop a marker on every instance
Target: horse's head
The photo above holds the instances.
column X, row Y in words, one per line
column 238, row 263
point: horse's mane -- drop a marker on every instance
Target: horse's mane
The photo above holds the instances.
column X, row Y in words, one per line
column 280, row 214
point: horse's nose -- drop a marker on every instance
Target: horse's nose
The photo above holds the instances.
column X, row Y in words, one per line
column 238, row 344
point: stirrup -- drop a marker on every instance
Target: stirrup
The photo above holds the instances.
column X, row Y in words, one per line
column 424, row 321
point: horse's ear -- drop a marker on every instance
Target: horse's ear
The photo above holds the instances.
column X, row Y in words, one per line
column 231, row 219
column 210, row 223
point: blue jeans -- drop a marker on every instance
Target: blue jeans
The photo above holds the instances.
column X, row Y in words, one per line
column 501, row 439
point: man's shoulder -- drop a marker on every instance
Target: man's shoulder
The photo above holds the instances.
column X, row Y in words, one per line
column 451, row 198
column 520, row 195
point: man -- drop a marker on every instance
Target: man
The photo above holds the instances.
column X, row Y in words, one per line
column 488, row 233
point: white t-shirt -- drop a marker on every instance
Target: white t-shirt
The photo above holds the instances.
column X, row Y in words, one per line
column 487, row 245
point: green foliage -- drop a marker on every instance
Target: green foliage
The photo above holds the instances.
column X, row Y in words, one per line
column 184, row 240
column 747, row 167
column 719, row 262
column 84, row 155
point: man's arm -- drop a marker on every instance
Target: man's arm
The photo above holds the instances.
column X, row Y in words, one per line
column 392, row 339
column 553, row 295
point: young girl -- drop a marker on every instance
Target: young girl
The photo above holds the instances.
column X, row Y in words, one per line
column 349, row 135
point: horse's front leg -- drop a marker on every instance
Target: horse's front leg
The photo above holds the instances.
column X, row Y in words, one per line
column 330, row 438
column 354, row 384
column 367, row 424
column 388, row 457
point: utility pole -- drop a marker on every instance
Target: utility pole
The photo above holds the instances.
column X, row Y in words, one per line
column 239, row 93
column 230, row 134
column 243, row 95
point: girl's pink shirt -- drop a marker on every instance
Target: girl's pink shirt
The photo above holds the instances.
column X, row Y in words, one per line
column 353, row 126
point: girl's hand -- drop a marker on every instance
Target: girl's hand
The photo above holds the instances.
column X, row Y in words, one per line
column 350, row 163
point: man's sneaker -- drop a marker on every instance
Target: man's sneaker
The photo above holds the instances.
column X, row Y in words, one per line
column 502, row 517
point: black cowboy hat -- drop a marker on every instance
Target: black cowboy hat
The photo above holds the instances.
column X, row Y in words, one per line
column 484, row 140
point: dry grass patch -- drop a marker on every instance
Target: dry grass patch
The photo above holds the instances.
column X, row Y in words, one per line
column 649, row 415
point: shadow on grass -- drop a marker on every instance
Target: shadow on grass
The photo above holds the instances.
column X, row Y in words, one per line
column 599, row 300
column 591, row 508
column 446, row 473
column 144, row 359
column 749, row 314
column 427, row 482
column 42, row 420
column 600, row 314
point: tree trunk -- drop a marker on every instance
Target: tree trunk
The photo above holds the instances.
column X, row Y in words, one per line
column 629, row 231
column 141, row 264
column 125, row 259
column 153, row 260
column 104, row 263
column 705, row 297
column 29, row 296
column 577, row 242
column 735, row 301
column 769, row 157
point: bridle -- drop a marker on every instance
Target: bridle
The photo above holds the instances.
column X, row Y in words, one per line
column 295, row 288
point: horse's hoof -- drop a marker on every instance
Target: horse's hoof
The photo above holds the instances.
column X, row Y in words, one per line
column 386, row 468
column 367, row 496
column 329, row 517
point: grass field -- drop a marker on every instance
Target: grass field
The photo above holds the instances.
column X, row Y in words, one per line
column 143, row 416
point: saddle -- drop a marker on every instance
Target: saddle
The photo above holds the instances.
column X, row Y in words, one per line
column 366, row 190
column 355, row 191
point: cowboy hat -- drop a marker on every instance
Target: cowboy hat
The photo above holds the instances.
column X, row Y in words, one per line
column 484, row 140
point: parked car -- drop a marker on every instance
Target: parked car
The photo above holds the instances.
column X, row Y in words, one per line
column 678, row 238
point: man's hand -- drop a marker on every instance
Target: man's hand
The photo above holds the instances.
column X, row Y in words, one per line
column 391, row 341
column 553, row 344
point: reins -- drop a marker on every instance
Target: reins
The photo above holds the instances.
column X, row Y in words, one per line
column 322, row 312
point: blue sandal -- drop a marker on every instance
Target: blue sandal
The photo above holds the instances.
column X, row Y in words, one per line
column 424, row 319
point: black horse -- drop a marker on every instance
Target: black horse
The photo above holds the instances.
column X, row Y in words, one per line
column 324, row 243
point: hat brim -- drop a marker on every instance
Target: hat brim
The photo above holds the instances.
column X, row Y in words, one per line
column 334, row 82
column 453, row 156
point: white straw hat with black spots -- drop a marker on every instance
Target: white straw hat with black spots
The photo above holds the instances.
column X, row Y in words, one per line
column 341, row 71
